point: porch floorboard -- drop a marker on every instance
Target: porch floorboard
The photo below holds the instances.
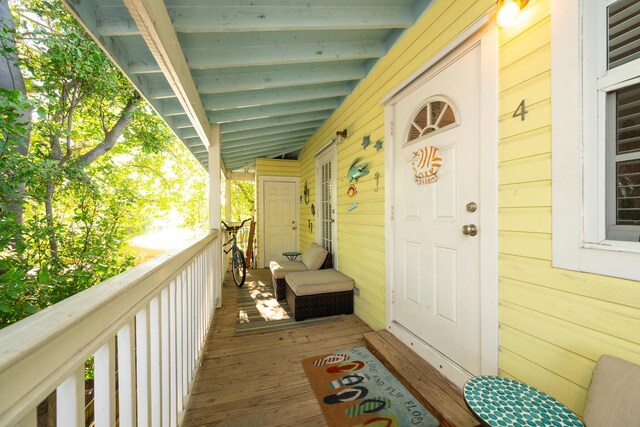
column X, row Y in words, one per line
column 258, row 380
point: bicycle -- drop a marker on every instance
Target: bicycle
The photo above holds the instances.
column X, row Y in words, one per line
column 238, row 266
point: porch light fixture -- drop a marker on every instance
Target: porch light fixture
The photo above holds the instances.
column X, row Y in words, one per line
column 340, row 135
column 508, row 11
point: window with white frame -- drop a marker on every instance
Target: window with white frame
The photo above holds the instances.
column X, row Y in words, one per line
column 596, row 136
column 622, row 115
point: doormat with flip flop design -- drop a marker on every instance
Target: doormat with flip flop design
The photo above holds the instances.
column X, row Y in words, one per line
column 354, row 389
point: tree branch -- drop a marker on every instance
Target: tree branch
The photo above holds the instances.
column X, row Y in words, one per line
column 112, row 136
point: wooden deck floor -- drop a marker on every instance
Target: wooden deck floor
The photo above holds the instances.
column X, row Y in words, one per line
column 257, row 380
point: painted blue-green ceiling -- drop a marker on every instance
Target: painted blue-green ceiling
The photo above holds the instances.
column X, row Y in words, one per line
column 270, row 72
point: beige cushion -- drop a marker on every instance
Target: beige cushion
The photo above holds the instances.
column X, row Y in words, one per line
column 314, row 256
column 318, row 282
column 614, row 394
column 280, row 268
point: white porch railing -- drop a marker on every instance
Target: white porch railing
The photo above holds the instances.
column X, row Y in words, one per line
column 150, row 321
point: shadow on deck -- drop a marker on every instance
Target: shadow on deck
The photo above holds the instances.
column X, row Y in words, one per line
column 258, row 380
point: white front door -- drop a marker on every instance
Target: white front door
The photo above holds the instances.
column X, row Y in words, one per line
column 436, row 272
column 326, row 200
column 280, row 226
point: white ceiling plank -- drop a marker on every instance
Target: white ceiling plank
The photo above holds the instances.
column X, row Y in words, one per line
column 153, row 20
column 273, row 110
column 236, row 136
column 247, row 125
column 305, row 133
column 275, row 96
column 233, row 18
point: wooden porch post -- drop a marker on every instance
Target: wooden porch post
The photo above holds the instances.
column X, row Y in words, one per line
column 227, row 193
column 214, row 178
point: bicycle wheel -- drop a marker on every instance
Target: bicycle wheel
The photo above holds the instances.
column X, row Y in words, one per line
column 239, row 269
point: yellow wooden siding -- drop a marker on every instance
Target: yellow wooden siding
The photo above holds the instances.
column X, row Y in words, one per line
column 361, row 231
column 554, row 324
column 272, row 167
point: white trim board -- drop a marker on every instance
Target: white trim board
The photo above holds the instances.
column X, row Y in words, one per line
column 261, row 182
column 483, row 33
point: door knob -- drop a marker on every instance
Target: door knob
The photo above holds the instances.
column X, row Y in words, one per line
column 469, row 230
column 471, row 207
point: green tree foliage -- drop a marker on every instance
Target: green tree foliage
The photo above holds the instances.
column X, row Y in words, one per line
column 242, row 200
column 100, row 165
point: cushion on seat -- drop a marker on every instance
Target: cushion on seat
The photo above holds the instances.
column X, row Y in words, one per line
column 318, row 282
column 614, row 394
column 314, row 256
column 280, row 268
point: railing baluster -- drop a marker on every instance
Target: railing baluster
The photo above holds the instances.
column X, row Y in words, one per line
column 164, row 356
column 154, row 367
column 126, row 375
column 173, row 399
column 185, row 334
column 104, row 384
column 142, row 366
column 185, row 275
column 70, row 400
column 194, row 319
column 179, row 345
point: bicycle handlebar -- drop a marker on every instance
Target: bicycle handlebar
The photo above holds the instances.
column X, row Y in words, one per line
column 235, row 228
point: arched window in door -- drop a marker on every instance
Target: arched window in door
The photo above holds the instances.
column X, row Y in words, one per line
column 437, row 114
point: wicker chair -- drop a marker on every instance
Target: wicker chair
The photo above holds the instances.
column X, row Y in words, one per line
column 315, row 258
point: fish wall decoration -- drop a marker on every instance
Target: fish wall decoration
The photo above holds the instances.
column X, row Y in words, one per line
column 358, row 171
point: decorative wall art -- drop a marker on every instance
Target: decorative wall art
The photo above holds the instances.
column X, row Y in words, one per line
column 426, row 163
column 306, row 193
column 378, row 145
column 313, row 209
column 377, row 177
column 352, row 206
column 351, row 191
column 358, row 171
column 366, row 141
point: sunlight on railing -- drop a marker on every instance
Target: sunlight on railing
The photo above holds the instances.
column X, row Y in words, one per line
column 151, row 322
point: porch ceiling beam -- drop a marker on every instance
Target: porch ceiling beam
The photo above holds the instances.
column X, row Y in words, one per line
column 273, row 110
column 258, row 150
column 306, row 133
column 171, row 107
column 187, row 133
column 233, row 18
column 230, row 128
column 242, row 176
column 153, row 21
column 235, row 136
column 178, row 122
column 269, row 54
column 227, row 80
column 256, row 98
column 223, row 80
column 251, row 160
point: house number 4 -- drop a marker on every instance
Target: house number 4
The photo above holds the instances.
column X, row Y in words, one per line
column 521, row 111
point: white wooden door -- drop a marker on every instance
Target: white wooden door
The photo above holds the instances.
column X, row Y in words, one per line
column 436, row 279
column 326, row 201
column 280, row 226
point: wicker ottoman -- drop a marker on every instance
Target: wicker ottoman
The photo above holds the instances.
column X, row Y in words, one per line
column 319, row 293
